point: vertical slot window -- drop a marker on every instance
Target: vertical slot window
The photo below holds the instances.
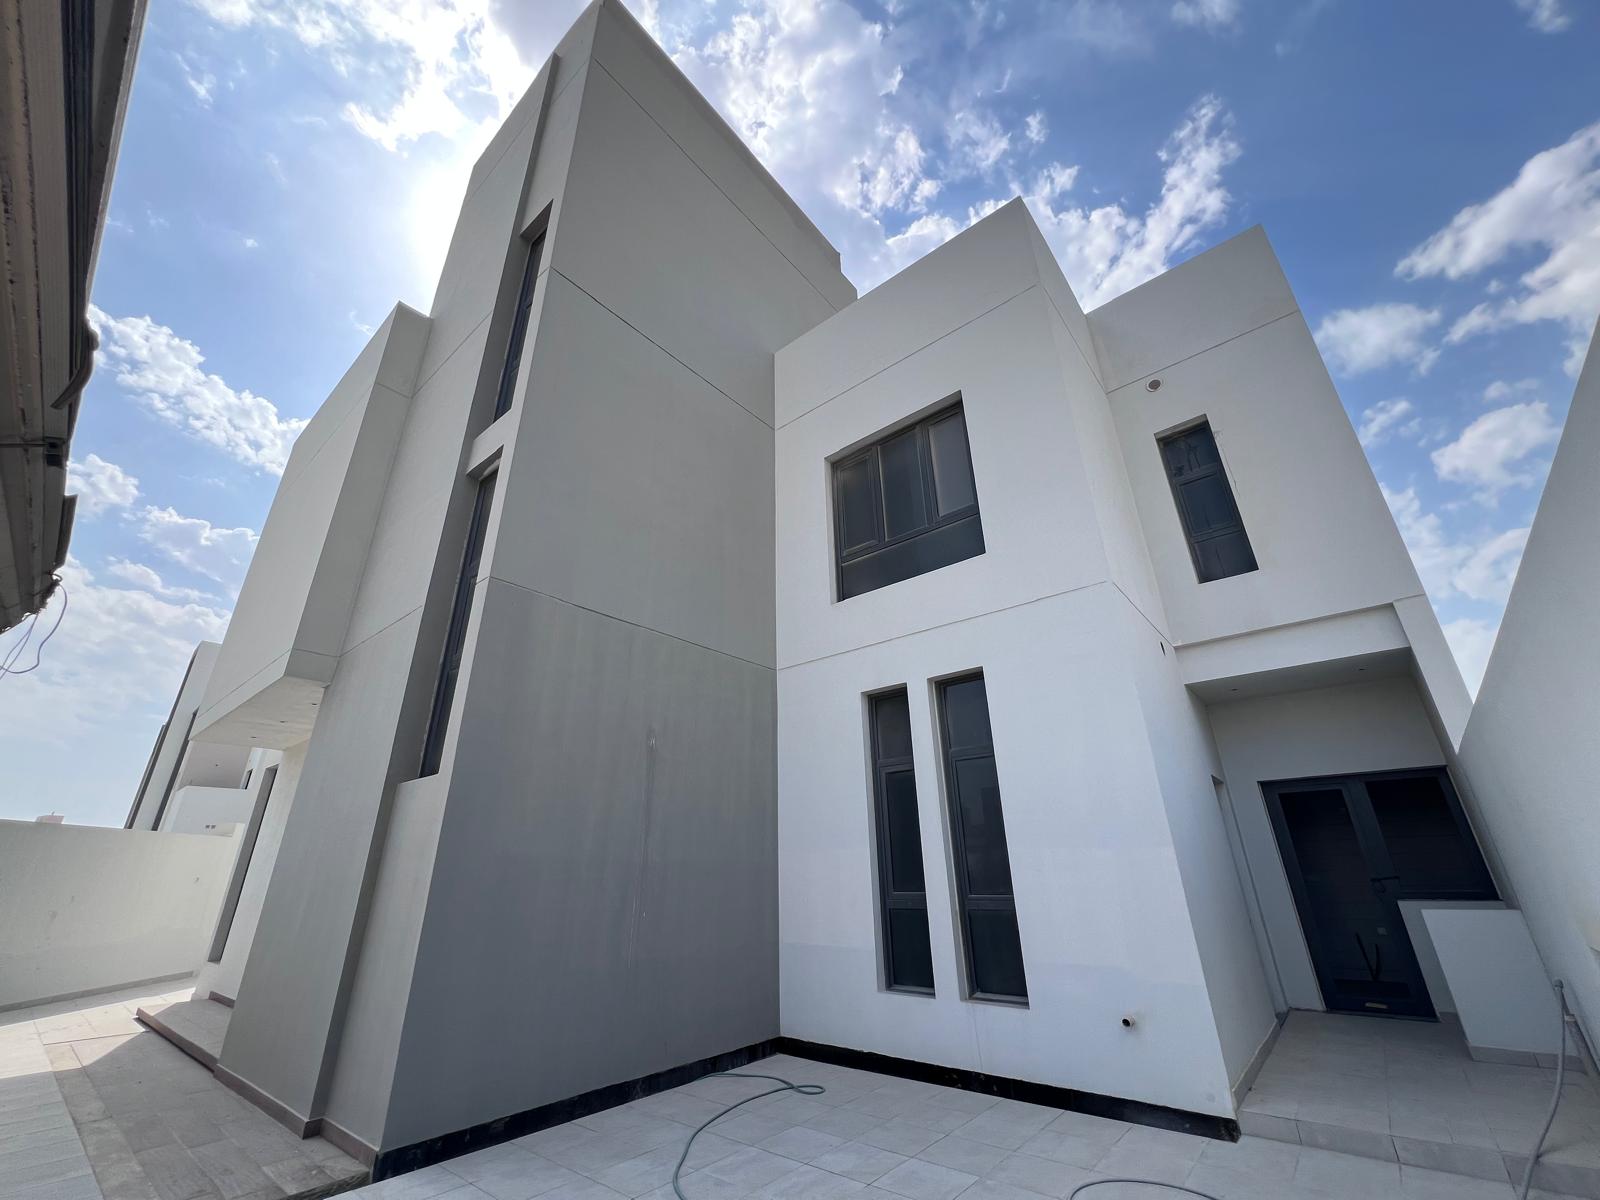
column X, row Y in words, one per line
column 1211, row 522
column 902, row 893
column 988, row 905
column 518, row 334
column 456, row 635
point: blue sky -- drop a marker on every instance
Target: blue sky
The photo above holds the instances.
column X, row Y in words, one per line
column 1428, row 173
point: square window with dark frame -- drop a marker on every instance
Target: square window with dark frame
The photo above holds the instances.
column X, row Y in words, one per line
column 902, row 894
column 1211, row 522
column 987, row 905
column 906, row 505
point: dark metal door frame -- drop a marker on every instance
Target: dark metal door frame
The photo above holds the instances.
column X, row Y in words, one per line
column 1387, row 886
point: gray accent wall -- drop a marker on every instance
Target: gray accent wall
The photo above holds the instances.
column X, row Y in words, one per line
column 602, row 903
column 585, row 891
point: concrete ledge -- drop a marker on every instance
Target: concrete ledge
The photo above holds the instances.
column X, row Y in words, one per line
column 183, row 1042
column 340, row 1137
column 280, row 1112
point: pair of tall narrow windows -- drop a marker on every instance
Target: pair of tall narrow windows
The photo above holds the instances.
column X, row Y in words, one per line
column 986, row 903
column 444, row 689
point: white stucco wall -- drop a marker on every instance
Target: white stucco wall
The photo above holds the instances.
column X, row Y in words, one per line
column 1123, row 875
column 171, row 746
column 223, row 975
column 86, row 908
column 1531, row 753
column 288, row 627
column 1223, row 334
column 1100, row 900
column 199, row 809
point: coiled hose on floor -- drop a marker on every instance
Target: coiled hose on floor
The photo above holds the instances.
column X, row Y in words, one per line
column 816, row 1089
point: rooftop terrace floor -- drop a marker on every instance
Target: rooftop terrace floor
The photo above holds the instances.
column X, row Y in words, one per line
column 94, row 1106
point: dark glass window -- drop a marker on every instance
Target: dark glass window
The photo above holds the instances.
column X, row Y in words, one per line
column 1431, row 847
column 902, row 895
column 906, row 505
column 978, row 837
column 1217, row 540
column 456, row 636
column 519, row 330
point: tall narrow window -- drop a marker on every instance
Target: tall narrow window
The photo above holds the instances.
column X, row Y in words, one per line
column 1217, row 540
column 456, row 636
column 906, row 505
column 978, row 839
column 519, row 329
column 902, row 895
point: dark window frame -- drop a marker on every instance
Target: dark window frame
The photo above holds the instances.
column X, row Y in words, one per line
column 517, row 335
column 872, row 454
column 1218, row 470
column 455, row 641
column 953, row 754
column 883, row 767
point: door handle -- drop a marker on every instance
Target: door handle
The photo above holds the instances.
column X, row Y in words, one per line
column 1378, row 882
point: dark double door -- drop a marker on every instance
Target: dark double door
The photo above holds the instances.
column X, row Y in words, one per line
column 1354, row 847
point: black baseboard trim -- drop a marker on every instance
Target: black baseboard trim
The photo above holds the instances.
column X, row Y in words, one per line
column 402, row 1159
column 1116, row 1108
column 398, row 1161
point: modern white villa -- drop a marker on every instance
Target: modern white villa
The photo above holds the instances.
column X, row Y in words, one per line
column 657, row 655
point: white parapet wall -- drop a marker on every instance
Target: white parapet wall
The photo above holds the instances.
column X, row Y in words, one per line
column 84, row 908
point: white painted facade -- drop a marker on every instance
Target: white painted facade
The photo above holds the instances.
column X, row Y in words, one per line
column 1531, row 754
column 87, row 909
column 187, row 773
column 1127, row 698
column 650, row 836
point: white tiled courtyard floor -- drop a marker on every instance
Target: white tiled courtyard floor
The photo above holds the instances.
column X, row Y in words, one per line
column 875, row 1137
column 93, row 1106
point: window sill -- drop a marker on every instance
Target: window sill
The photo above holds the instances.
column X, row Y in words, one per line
column 927, row 993
column 1002, row 1001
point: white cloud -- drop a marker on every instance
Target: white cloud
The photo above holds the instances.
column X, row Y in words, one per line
column 1363, row 339
column 1210, row 14
column 145, row 577
column 214, row 551
column 1551, row 208
column 1489, row 570
column 118, row 656
column 163, row 371
column 1386, row 417
column 1480, row 568
column 1547, row 16
column 1471, row 641
column 1036, row 127
column 419, row 67
column 201, row 83
column 1107, row 250
column 100, row 485
column 1497, row 450
column 1502, row 389
column 977, row 142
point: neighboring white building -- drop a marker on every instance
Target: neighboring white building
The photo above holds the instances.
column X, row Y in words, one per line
column 189, row 785
column 656, row 651
column 1531, row 753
